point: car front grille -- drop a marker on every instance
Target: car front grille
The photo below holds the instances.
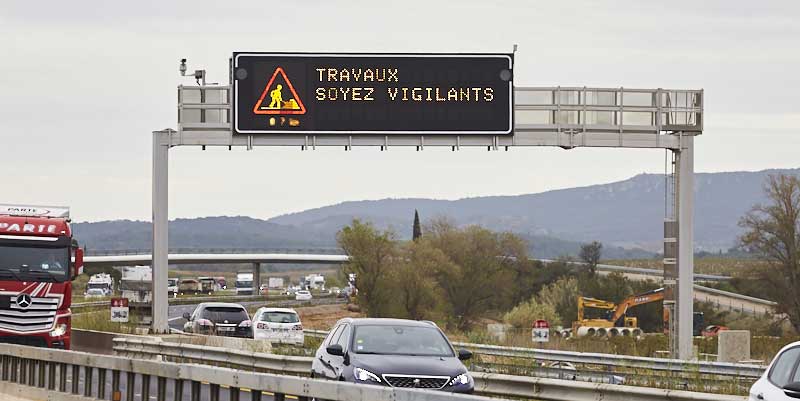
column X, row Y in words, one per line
column 409, row 381
column 38, row 316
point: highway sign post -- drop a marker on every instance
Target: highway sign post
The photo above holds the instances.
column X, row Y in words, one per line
column 119, row 310
column 540, row 333
column 390, row 94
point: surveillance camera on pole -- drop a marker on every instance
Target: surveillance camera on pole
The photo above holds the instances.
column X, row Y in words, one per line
column 199, row 75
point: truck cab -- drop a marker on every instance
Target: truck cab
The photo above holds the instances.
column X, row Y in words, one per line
column 244, row 283
column 38, row 261
column 100, row 285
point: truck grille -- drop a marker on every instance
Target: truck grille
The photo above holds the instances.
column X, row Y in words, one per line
column 40, row 315
column 434, row 382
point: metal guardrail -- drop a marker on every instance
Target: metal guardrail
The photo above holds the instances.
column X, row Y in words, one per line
column 43, row 373
column 317, row 300
column 180, row 352
column 485, row 383
column 147, row 251
column 608, row 360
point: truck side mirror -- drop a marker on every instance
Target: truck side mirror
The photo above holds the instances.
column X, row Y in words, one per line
column 186, row 315
column 78, row 263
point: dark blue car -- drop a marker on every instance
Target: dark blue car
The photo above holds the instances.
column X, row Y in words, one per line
column 392, row 352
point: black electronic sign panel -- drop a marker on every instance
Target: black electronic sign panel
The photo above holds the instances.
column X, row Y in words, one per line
column 312, row 94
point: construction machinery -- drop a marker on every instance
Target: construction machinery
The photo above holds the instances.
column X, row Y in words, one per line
column 613, row 319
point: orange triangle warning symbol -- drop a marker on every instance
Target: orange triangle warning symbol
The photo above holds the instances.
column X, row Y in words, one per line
column 273, row 101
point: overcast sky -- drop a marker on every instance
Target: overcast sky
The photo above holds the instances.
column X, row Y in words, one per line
column 84, row 83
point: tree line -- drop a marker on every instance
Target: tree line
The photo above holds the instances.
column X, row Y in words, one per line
column 458, row 276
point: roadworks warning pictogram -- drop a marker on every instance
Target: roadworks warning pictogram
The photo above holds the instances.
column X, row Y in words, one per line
column 272, row 100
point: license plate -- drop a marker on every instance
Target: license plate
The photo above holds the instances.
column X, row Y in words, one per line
column 225, row 329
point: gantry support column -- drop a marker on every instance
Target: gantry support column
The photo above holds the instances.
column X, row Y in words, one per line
column 160, row 265
column 685, row 215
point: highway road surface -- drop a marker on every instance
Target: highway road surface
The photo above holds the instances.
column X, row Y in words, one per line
column 176, row 320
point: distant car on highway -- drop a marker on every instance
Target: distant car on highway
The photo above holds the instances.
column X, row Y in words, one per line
column 302, row 295
column 278, row 325
column 713, row 330
column 219, row 318
column 566, row 370
column 781, row 380
column 394, row 353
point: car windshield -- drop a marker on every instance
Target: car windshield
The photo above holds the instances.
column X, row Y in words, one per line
column 400, row 340
column 34, row 263
column 223, row 313
column 280, row 317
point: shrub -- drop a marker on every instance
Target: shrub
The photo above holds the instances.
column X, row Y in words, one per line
column 524, row 314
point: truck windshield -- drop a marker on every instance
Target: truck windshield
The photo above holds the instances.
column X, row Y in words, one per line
column 244, row 284
column 101, row 286
column 34, row 263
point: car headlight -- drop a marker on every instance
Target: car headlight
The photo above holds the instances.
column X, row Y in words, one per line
column 59, row 331
column 365, row 375
column 460, row 379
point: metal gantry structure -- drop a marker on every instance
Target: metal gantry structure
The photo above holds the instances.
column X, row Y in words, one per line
column 567, row 117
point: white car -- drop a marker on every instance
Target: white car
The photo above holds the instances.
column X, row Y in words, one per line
column 278, row 325
column 781, row 381
column 302, row 295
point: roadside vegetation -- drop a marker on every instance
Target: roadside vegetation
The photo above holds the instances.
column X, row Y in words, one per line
column 459, row 277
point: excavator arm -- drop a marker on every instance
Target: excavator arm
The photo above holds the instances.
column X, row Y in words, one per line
column 593, row 303
column 636, row 300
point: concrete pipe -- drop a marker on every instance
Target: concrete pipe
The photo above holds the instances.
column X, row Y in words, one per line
column 613, row 332
column 602, row 332
column 566, row 333
column 626, row 332
column 585, row 331
column 637, row 332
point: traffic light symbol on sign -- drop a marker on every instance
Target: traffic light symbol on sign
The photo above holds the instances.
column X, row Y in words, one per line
column 276, row 99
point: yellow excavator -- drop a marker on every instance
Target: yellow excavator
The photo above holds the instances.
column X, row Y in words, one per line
column 614, row 320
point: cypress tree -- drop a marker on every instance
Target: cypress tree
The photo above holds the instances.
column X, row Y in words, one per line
column 417, row 228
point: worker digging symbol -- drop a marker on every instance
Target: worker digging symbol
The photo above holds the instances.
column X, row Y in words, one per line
column 277, row 104
column 277, row 99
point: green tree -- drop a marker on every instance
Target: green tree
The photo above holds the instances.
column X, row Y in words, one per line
column 590, row 254
column 415, row 281
column 371, row 253
column 773, row 232
column 479, row 276
column 417, row 232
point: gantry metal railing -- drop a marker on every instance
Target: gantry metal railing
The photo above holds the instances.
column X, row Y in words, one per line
column 544, row 116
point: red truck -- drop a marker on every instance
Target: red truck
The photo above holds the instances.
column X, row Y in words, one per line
column 38, row 261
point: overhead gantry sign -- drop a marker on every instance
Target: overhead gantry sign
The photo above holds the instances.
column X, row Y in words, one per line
column 279, row 93
column 448, row 100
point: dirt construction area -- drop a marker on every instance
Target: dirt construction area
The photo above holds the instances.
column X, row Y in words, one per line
column 323, row 317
